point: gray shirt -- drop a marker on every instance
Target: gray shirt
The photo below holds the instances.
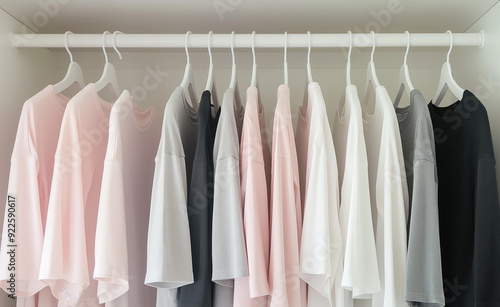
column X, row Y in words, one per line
column 229, row 257
column 424, row 285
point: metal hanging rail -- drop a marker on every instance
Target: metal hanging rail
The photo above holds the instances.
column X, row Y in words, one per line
column 245, row 40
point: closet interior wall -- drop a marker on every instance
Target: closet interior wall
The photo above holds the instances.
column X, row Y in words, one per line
column 152, row 74
column 22, row 74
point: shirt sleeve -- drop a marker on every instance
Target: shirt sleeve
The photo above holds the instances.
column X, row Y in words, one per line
column 284, row 265
column 64, row 263
column 22, row 234
column 111, row 254
column 392, row 198
column 424, row 281
column 256, row 219
column 321, row 243
column 360, row 274
column 169, row 261
column 228, row 242
column 486, row 267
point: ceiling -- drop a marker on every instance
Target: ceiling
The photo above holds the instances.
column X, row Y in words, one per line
column 244, row 16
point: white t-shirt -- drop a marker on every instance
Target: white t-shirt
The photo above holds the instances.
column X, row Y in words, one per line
column 321, row 243
column 389, row 198
column 360, row 271
column 122, row 222
column 229, row 255
column 169, row 262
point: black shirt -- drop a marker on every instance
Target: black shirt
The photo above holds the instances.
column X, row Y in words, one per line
column 200, row 210
column 469, row 210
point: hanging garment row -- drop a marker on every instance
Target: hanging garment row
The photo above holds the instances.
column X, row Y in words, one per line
column 114, row 206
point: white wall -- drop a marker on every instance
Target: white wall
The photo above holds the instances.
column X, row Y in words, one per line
column 23, row 74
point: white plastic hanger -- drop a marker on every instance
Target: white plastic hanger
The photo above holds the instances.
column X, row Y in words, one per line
column 211, row 78
column 285, row 63
column 188, row 81
column 109, row 73
column 74, row 73
column 233, row 84
column 348, row 68
column 309, row 74
column 446, row 80
column 371, row 75
column 254, row 67
column 404, row 76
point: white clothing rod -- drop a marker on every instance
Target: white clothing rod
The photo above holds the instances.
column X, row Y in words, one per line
column 245, row 40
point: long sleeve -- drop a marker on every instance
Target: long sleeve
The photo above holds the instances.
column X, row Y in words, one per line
column 486, row 266
column 111, row 254
column 169, row 262
column 424, row 283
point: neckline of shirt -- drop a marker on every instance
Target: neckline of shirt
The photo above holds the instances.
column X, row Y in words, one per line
column 59, row 100
column 102, row 107
column 443, row 113
column 190, row 111
column 313, row 90
column 142, row 119
column 369, row 120
column 344, row 110
column 408, row 110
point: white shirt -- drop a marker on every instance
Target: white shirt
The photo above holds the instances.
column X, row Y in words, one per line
column 360, row 270
column 389, row 198
column 122, row 221
column 321, row 243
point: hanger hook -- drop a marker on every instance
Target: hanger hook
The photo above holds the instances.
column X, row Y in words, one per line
column 114, row 44
column 253, row 46
column 407, row 45
column 232, row 46
column 66, row 45
column 209, row 49
column 186, row 45
column 286, row 43
column 103, row 47
column 451, row 46
column 350, row 47
column 309, row 48
column 373, row 41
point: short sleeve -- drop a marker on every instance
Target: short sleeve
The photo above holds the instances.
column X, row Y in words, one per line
column 169, row 262
column 111, row 254
column 22, row 235
column 228, row 242
column 424, row 281
column 360, row 274
column 321, row 228
column 64, row 263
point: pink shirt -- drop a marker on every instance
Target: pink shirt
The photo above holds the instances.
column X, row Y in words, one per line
column 68, row 250
column 123, row 218
column 255, row 165
column 287, row 289
column 29, row 183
